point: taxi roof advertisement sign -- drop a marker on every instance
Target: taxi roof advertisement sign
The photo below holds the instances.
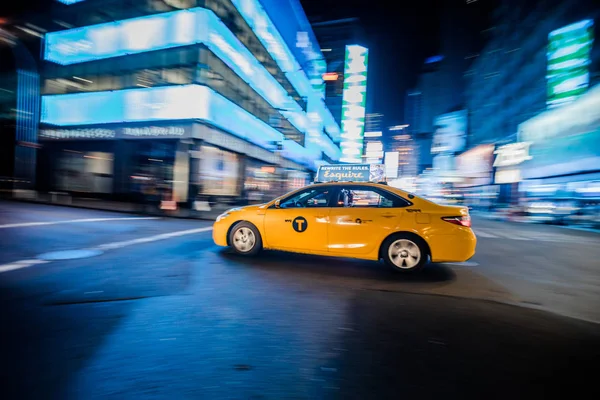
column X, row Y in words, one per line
column 351, row 173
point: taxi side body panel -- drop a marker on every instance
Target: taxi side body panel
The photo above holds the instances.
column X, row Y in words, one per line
column 360, row 231
column 298, row 230
column 447, row 242
column 450, row 243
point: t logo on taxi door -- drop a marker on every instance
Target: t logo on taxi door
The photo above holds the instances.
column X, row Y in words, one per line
column 300, row 224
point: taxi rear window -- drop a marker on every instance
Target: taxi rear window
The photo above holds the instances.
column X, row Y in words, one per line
column 369, row 197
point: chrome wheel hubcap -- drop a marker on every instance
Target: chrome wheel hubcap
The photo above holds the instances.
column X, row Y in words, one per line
column 404, row 253
column 244, row 239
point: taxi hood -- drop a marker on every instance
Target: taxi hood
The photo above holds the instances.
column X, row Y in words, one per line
column 252, row 207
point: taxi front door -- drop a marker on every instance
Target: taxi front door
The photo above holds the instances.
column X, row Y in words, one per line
column 363, row 218
column 300, row 222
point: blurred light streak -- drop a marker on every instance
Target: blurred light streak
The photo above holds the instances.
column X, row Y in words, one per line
column 354, row 101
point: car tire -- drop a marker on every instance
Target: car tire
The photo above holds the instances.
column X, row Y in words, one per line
column 405, row 253
column 245, row 239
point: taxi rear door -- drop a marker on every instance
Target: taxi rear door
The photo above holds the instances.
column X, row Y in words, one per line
column 300, row 222
column 362, row 217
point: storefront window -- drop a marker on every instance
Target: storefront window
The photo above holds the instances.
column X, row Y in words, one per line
column 153, row 171
column 261, row 183
column 296, row 180
column 219, row 172
column 89, row 172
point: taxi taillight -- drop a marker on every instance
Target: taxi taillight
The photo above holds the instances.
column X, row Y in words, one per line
column 463, row 220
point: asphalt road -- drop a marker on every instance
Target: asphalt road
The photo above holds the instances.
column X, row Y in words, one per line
column 158, row 311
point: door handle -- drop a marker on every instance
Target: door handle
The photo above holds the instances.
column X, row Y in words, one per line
column 388, row 215
column 320, row 216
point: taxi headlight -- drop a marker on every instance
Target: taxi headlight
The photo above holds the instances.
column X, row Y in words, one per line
column 224, row 215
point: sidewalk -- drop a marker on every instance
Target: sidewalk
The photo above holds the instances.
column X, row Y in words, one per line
column 61, row 199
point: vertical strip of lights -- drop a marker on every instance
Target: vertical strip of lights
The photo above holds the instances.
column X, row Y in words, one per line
column 354, row 99
column 569, row 55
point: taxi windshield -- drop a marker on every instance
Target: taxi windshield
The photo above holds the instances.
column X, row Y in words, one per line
column 314, row 197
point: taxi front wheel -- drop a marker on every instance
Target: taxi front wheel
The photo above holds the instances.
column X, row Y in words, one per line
column 245, row 239
column 405, row 252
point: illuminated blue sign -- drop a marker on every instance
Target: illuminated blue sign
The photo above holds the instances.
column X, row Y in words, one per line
column 434, row 59
column 167, row 30
column 185, row 102
column 155, row 104
column 69, row 2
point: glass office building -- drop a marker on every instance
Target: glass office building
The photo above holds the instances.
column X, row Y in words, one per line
column 180, row 99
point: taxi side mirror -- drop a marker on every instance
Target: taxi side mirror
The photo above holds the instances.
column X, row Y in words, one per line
column 277, row 202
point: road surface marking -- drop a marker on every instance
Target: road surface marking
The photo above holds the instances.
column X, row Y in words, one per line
column 109, row 246
column 20, row 264
column 162, row 236
column 463, row 264
column 484, row 234
column 72, row 221
column 516, row 236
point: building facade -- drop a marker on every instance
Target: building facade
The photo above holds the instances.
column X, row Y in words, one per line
column 511, row 93
column 334, row 36
column 507, row 81
column 182, row 99
column 374, row 141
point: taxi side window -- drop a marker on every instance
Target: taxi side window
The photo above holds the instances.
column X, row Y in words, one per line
column 370, row 198
column 312, row 198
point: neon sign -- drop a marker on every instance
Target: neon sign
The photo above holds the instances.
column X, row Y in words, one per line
column 354, row 100
column 569, row 50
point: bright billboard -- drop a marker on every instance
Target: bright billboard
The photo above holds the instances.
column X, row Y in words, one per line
column 354, row 99
column 392, row 158
column 568, row 56
column 351, row 173
column 474, row 166
column 451, row 132
column 564, row 140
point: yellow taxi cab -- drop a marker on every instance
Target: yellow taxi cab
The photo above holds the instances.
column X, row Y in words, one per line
column 356, row 219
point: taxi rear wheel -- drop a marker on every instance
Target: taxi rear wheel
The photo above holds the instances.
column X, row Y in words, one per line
column 245, row 239
column 405, row 253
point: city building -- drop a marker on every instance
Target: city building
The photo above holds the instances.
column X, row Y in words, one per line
column 333, row 37
column 374, row 143
column 180, row 99
column 507, row 82
column 413, row 105
column 20, row 35
column 539, row 56
column 422, row 105
column 8, row 105
column 402, row 142
column 441, row 83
